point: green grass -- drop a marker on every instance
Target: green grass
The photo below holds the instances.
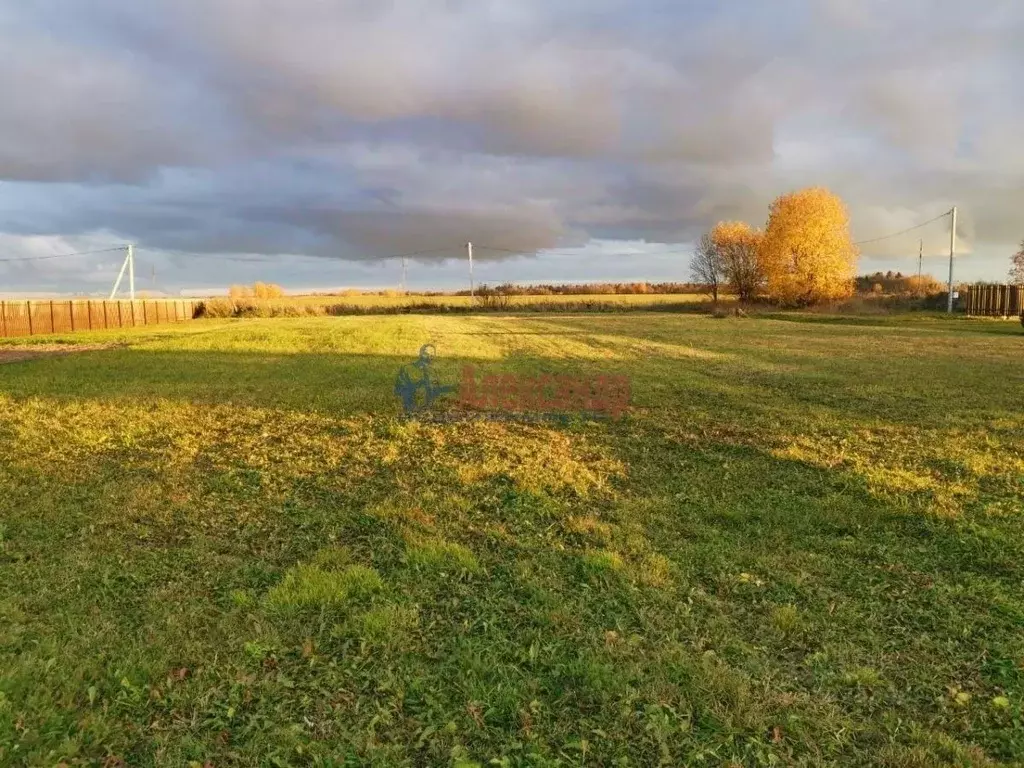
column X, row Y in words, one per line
column 220, row 544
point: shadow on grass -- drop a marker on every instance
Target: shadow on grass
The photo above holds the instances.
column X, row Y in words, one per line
column 874, row 583
column 903, row 321
column 116, row 336
column 730, row 384
column 767, row 366
column 745, row 535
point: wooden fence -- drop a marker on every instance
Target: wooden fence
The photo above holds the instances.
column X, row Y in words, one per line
column 30, row 318
column 995, row 300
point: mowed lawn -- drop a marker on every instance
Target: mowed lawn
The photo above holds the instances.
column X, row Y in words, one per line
column 221, row 545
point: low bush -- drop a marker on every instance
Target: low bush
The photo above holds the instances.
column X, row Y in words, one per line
column 249, row 308
column 874, row 304
column 493, row 299
column 215, row 308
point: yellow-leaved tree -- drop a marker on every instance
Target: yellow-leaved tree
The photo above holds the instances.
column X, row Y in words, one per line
column 738, row 247
column 807, row 254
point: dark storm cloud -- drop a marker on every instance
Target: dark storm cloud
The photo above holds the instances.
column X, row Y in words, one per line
column 359, row 128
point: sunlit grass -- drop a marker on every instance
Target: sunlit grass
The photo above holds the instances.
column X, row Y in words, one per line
column 220, row 542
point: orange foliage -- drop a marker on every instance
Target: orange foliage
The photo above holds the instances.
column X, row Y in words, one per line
column 267, row 291
column 807, row 254
column 257, row 291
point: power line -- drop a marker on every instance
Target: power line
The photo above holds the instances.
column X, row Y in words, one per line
column 455, row 249
column 212, row 256
column 415, row 253
column 272, row 259
column 64, row 255
column 580, row 253
column 411, row 254
column 903, row 231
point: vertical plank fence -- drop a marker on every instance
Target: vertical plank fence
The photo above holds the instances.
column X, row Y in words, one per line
column 32, row 318
column 995, row 300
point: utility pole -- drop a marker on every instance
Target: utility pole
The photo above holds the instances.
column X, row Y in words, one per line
column 952, row 257
column 472, row 287
column 131, row 271
column 128, row 261
column 405, row 273
column 920, row 257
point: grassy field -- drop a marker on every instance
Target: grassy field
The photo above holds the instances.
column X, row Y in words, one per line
column 221, row 545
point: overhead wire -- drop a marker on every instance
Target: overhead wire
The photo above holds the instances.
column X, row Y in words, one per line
column 212, row 256
column 412, row 254
column 64, row 255
column 415, row 253
column 546, row 252
column 902, row 231
column 270, row 259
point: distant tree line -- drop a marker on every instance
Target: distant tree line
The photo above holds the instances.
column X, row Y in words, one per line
column 896, row 283
column 542, row 289
column 585, row 289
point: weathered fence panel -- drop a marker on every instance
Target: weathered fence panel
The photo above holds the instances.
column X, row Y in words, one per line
column 81, row 316
column 16, row 318
column 995, row 300
column 31, row 318
column 40, row 317
column 60, row 317
column 98, row 314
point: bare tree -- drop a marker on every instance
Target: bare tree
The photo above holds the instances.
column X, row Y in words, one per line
column 706, row 265
column 1017, row 266
column 739, row 249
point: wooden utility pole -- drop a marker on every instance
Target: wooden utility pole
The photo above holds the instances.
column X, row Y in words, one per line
column 472, row 287
column 952, row 258
column 920, row 257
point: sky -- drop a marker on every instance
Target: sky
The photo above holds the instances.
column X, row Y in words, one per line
column 304, row 141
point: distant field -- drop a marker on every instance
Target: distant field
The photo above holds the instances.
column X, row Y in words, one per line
column 221, row 545
column 465, row 301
